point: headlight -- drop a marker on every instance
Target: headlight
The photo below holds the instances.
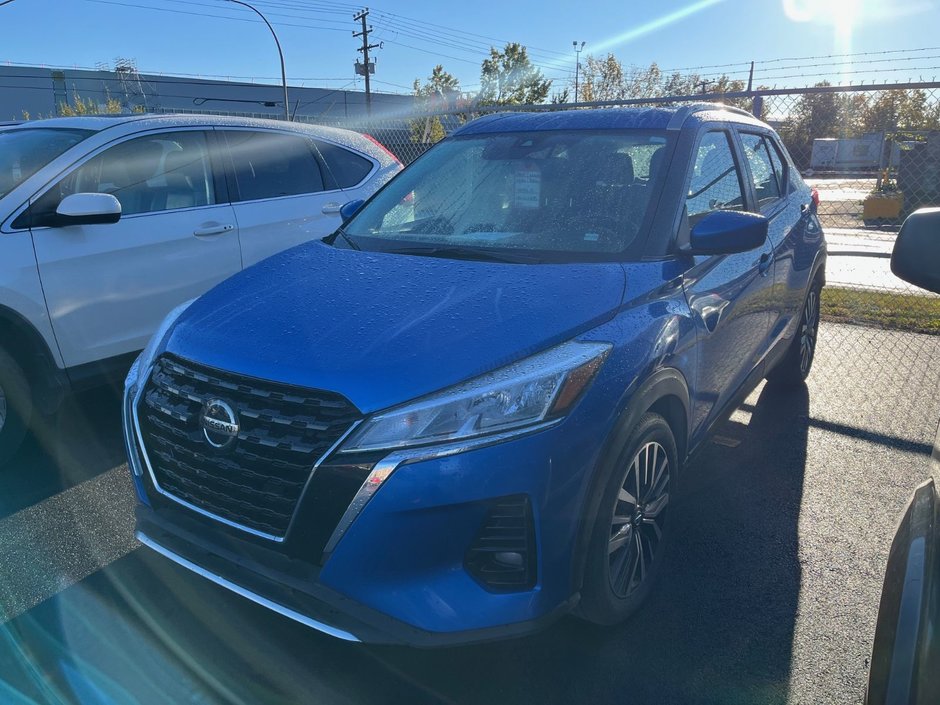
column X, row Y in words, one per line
column 526, row 393
column 145, row 359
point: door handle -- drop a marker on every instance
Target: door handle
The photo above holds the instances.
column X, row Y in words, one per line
column 805, row 207
column 331, row 208
column 764, row 265
column 213, row 230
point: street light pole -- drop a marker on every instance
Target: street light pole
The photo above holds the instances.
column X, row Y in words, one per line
column 279, row 53
column 577, row 66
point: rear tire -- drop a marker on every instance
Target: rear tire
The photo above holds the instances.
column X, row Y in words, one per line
column 797, row 363
column 630, row 531
column 16, row 406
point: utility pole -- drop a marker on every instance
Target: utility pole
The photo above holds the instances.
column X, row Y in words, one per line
column 577, row 66
column 366, row 67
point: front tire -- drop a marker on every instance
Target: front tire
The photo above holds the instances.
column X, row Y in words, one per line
column 16, row 407
column 795, row 366
column 630, row 532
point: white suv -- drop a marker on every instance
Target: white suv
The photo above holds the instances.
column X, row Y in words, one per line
column 107, row 223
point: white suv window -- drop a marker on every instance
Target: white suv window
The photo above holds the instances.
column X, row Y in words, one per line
column 272, row 165
column 346, row 169
column 149, row 174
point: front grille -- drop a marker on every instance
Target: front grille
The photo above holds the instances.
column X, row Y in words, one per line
column 257, row 481
column 502, row 556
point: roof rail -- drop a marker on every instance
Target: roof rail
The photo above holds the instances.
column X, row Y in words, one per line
column 680, row 116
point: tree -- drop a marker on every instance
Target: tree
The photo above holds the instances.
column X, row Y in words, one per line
column 644, row 83
column 508, row 77
column 560, row 97
column 602, row 79
column 899, row 109
column 437, row 94
column 606, row 79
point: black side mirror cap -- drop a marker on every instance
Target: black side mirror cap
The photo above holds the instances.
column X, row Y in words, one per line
column 916, row 255
column 727, row 232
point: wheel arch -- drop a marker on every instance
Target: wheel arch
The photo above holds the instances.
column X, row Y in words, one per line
column 666, row 393
column 25, row 344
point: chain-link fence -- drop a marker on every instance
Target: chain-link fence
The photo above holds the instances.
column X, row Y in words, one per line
column 874, row 157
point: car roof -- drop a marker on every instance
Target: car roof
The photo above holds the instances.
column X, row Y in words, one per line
column 683, row 117
column 144, row 121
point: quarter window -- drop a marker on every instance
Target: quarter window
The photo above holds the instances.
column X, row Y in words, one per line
column 716, row 180
column 346, row 168
column 272, row 165
column 765, row 175
column 146, row 174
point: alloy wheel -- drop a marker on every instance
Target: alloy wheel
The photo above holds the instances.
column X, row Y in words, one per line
column 636, row 528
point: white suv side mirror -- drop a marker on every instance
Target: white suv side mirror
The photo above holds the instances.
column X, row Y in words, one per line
column 88, row 209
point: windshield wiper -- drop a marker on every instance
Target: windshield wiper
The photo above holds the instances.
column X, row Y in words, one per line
column 468, row 253
column 339, row 232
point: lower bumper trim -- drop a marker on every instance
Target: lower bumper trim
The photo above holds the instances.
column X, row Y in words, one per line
column 248, row 594
column 291, row 588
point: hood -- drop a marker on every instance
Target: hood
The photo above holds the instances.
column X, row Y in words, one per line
column 382, row 329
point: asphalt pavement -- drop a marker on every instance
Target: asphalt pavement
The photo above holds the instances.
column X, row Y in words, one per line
column 770, row 593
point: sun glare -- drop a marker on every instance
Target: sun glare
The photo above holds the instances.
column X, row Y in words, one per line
column 842, row 15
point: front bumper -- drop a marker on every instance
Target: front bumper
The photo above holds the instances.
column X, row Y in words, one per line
column 266, row 578
column 396, row 573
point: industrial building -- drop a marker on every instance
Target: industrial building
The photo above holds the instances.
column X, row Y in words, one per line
column 29, row 92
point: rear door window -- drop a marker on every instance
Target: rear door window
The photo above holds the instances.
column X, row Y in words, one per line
column 344, row 168
column 716, row 179
column 780, row 168
column 272, row 165
column 766, row 177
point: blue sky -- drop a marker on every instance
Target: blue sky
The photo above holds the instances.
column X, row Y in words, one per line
column 213, row 37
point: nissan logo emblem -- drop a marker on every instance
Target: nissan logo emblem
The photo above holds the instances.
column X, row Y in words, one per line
column 219, row 424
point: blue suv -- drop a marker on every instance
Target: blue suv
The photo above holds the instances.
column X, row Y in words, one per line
column 468, row 410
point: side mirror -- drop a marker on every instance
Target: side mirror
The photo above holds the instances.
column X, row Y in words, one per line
column 349, row 209
column 87, row 209
column 916, row 256
column 727, row 232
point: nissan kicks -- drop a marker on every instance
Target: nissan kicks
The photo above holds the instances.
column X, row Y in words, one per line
column 467, row 411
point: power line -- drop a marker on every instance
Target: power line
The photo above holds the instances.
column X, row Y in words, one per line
column 404, row 20
column 451, row 38
column 284, row 24
column 205, row 14
column 427, row 51
column 454, row 39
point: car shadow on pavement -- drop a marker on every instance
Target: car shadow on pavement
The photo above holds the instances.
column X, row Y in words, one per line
column 719, row 628
column 80, row 441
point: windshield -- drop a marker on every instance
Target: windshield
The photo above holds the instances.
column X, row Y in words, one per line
column 570, row 192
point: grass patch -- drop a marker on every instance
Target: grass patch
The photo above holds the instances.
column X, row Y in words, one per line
column 915, row 314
